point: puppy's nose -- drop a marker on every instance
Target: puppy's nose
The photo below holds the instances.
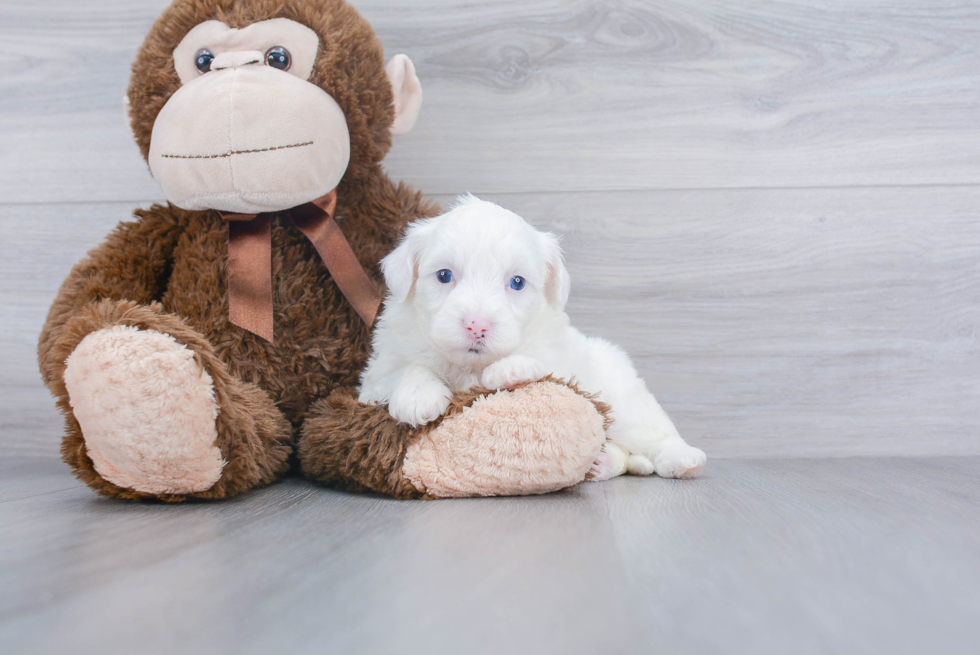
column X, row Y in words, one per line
column 477, row 327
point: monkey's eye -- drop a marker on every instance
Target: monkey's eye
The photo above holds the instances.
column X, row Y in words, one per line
column 203, row 60
column 279, row 57
column 517, row 283
column 445, row 276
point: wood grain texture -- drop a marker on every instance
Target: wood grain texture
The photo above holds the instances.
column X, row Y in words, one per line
column 561, row 95
column 780, row 556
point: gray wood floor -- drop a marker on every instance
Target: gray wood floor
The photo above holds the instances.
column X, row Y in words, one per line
column 774, row 206
column 758, row 556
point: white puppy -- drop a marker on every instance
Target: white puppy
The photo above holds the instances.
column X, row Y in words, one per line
column 477, row 297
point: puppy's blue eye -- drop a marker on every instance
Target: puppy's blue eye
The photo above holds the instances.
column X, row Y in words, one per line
column 445, row 276
column 517, row 283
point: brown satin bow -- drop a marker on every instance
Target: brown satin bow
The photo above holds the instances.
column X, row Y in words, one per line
column 250, row 264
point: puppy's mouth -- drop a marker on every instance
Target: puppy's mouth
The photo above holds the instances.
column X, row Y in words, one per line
column 477, row 348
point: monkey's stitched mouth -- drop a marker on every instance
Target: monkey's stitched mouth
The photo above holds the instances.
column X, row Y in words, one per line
column 238, row 152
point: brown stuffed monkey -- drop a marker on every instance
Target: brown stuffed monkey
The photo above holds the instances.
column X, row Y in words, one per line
column 207, row 341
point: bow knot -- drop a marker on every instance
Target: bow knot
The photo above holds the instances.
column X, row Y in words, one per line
column 250, row 264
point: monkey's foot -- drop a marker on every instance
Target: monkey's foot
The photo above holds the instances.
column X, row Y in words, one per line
column 147, row 411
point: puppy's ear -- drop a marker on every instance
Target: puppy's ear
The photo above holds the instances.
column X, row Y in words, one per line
column 558, row 283
column 400, row 267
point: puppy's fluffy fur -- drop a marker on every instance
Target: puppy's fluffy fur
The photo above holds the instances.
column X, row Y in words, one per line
column 477, row 297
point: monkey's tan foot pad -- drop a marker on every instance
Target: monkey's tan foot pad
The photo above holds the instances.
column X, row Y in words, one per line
column 147, row 411
column 533, row 439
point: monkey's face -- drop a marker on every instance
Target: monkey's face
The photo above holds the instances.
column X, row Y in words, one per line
column 247, row 131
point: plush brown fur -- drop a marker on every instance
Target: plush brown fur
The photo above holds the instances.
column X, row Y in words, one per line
column 167, row 270
column 357, row 447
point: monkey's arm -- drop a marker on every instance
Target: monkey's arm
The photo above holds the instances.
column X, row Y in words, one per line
column 132, row 264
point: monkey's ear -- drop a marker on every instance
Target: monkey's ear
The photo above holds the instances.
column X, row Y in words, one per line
column 408, row 93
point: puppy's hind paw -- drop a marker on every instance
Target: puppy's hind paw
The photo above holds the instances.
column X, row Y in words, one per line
column 680, row 461
column 420, row 404
column 612, row 461
column 639, row 465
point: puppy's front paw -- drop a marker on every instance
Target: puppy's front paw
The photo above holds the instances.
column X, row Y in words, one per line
column 419, row 404
column 512, row 371
column 679, row 461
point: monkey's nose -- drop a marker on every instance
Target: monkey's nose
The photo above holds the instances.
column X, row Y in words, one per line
column 236, row 59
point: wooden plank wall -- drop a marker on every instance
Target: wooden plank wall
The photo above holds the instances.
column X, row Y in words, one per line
column 772, row 205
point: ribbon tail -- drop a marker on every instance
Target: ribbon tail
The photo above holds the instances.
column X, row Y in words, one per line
column 316, row 222
column 250, row 275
